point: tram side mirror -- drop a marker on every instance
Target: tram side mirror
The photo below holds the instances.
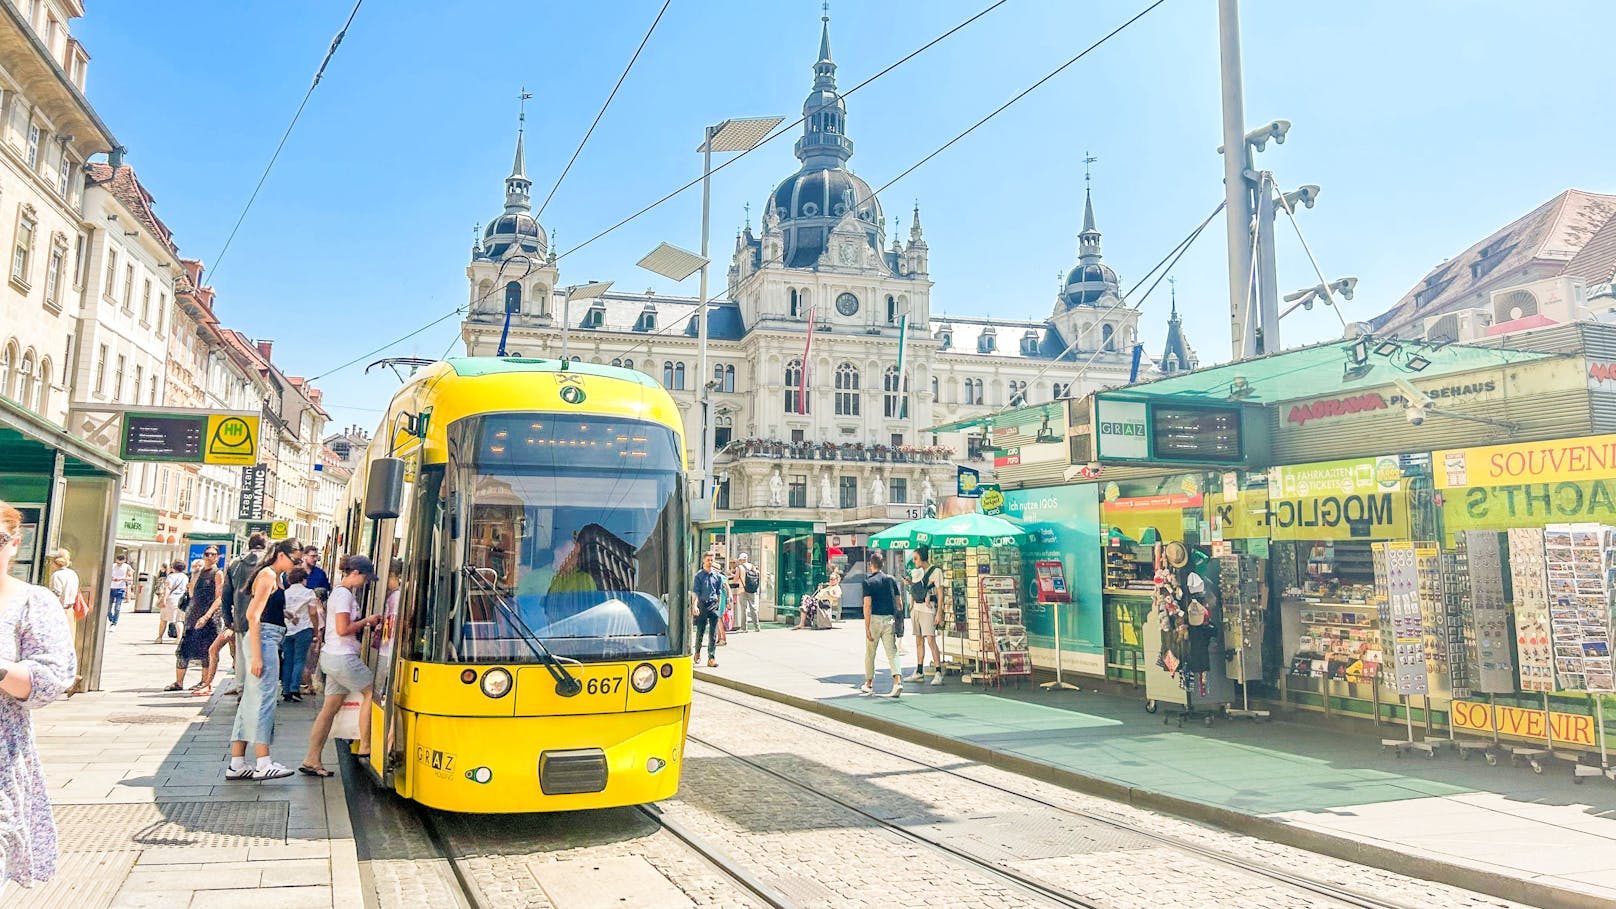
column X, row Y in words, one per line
column 384, row 491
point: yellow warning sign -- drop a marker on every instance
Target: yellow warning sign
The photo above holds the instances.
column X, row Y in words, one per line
column 231, row 439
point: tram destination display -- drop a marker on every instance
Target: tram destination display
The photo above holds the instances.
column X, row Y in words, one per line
column 162, row 437
column 1196, row 433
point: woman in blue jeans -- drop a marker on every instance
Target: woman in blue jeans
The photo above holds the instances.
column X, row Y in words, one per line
column 266, row 626
column 299, row 633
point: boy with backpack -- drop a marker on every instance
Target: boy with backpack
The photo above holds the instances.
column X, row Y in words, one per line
column 747, row 583
column 924, row 592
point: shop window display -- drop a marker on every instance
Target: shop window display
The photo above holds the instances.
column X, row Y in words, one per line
column 1332, row 595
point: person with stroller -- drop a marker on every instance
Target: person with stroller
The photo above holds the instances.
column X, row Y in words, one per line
column 826, row 601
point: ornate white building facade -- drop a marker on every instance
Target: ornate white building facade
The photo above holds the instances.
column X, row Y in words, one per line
column 846, row 441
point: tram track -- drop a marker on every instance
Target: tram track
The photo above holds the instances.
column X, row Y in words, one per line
column 1313, row 887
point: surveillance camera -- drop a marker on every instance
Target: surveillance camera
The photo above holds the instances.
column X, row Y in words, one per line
column 1415, row 414
column 1278, row 129
column 1307, row 194
column 1345, row 287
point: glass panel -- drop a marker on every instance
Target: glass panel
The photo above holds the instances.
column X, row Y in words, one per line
column 572, row 534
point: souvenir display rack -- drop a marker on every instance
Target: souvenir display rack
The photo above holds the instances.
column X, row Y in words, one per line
column 1578, row 558
column 1001, row 638
column 1243, row 593
column 1409, row 577
column 1330, row 616
column 963, row 570
column 1129, row 568
column 1534, row 657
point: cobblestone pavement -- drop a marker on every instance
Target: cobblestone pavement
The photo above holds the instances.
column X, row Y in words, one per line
column 1093, row 860
column 823, row 855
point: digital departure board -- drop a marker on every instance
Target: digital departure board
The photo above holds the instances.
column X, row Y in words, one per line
column 160, row 437
column 1182, row 433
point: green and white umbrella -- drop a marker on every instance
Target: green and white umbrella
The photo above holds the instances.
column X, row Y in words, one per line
column 903, row 536
column 971, row 530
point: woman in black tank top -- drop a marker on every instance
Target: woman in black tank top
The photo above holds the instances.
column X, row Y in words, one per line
column 266, row 626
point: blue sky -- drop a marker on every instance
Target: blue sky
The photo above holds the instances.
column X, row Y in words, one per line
column 1428, row 125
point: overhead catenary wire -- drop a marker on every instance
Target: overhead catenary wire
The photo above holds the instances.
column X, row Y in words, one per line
column 775, row 135
column 313, row 84
column 608, row 103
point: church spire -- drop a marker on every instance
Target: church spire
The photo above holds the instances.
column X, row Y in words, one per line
column 1088, row 241
column 825, row 68
column 517, row 185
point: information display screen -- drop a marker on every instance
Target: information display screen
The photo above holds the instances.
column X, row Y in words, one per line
column 1195, row 433
column 156, row 437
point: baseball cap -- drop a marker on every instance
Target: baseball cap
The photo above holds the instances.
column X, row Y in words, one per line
column 743, row 557
column 360, row 564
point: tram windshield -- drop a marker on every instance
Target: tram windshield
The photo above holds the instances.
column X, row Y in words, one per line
column 573, row 537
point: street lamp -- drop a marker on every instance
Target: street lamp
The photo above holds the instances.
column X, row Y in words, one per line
column 736, row 135
column 590, row 291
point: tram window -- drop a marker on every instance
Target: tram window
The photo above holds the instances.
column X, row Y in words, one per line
column 572, row 536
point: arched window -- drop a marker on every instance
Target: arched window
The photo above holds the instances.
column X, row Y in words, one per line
column 8, row 356
column 1107, row 337
column 893, row 405
column 724, row 377
column 795, row 402
column 25, row 380
column 794, row 304
column 513, row 297
column 936, row 388
column 679, row 376
column 974, row 392
column 1059, row 390
column 847, row 393
column 667, row 373
column 892, row 310
column 43, row 404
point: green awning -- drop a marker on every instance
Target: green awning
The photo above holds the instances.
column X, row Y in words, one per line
column 28, row 444
column 1308, row 372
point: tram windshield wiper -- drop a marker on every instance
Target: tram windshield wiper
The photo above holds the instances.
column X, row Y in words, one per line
column 566, row 684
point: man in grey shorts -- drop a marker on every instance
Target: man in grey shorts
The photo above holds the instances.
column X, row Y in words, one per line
column 345, row 672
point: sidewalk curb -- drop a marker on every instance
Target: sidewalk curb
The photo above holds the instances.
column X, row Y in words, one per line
column 1490, row 883
column 347, row 889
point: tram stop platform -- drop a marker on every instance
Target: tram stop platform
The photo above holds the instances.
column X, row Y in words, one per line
column 145, row 816
column 1506, row 831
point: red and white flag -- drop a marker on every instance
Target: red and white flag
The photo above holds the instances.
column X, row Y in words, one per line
column 802, row 374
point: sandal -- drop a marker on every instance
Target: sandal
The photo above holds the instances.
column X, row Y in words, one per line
column 320, row 772
column 205, row 691
column 174, row 687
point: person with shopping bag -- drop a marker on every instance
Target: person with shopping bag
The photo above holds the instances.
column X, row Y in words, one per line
column 345, row 673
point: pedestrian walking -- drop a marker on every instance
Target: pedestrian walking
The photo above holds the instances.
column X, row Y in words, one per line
column 318, row 579
column 707, row 591
column 201, row 622
column 345, row 672
column 299, row 633
column 118, row 581
column 37, row 664
column 882, row 599
column 175, row 585
column 745, row 583
column 64, row 582
column 237, row 577
column 266, row 626
column 923, row 592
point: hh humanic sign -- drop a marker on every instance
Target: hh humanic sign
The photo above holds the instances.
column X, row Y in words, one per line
column 191, row 437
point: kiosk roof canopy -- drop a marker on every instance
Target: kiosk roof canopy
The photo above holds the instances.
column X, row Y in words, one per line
column 1310, row 371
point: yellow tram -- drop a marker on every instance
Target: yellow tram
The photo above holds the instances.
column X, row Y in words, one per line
column 528, row 524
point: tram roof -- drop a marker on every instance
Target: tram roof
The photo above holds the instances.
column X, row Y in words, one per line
column 472, row 367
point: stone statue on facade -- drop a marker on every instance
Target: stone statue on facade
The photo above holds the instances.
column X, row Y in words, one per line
column 777, row 490
column 928, row 493
column 826, row 496
column 878, row 492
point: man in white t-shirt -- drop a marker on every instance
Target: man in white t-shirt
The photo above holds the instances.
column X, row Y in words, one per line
column 174, row 586
column 118, row 581
column 924, row 592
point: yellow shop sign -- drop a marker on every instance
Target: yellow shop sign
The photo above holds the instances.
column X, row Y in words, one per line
column 1380, row 514
column 1575, row 460
column 1516, row 722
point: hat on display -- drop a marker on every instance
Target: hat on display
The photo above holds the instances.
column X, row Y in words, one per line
column 1178, row 555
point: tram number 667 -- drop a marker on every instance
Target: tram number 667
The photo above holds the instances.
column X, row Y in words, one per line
column 604, row 686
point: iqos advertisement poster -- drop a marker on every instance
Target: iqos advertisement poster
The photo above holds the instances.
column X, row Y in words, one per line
column 1064, row 525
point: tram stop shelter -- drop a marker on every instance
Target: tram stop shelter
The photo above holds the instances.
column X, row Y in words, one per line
column 67, row 491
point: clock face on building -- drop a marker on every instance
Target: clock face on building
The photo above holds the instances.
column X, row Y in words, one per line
column 847, row 304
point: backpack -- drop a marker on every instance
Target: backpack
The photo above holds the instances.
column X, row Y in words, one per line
column 921, row 590
column 754, row 580
column 238, row 577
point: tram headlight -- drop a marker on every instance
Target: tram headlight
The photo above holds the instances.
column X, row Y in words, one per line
column 644, row 678
column 496, row 683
